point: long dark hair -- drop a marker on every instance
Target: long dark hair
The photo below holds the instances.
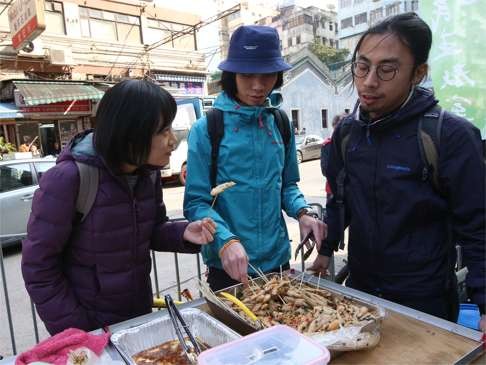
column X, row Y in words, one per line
column 129, row 115
column 412, row 31
column 228, row 83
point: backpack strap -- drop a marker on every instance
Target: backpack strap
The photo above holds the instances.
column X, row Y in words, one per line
column 428, row 134
column 283, row 125
column 215, row 127
column 344, row 135
column 88, row 188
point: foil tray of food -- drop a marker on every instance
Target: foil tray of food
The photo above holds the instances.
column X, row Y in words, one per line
column 155, row 342
column 331, row 319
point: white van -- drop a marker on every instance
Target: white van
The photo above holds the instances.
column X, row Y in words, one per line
column 188, row 111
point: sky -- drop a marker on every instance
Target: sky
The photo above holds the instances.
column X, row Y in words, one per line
column 208, row 40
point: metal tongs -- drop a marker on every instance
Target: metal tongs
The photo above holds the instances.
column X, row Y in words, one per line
column 177, row 320
column 310, row 242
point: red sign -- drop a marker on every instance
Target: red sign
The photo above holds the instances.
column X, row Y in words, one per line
column 64, row 107
column 26, row 20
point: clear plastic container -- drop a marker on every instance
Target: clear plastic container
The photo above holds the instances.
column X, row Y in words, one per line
column 277, row 345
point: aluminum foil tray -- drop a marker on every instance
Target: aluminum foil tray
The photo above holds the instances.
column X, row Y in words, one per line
column 135, row 339
column 346, row 339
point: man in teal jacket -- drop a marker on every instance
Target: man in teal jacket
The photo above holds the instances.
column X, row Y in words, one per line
column 251, row 227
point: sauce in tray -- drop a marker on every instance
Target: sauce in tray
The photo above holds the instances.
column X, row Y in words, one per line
column 168, row 353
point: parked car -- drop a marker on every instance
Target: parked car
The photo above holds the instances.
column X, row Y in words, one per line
column 308, row 147
column 18, row 181
column 188, row 111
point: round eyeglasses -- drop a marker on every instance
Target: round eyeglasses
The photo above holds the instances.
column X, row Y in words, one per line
column 383, row 71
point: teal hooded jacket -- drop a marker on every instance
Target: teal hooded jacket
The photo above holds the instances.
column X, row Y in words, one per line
column 253, row 155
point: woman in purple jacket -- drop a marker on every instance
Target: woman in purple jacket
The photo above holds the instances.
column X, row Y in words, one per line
column 96, row 272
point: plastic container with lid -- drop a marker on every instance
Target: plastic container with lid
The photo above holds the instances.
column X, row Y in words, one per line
column 277, row 345
column 469, row 316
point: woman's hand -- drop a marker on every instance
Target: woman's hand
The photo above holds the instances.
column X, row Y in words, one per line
column 200, row 232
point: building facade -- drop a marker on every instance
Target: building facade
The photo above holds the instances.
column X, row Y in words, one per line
column 251, row 11
column 88, row 44
column 326, row 94
column 356, row 16
column 300, row 27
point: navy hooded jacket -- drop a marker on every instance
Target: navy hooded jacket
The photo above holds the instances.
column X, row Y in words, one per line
column 398, row 222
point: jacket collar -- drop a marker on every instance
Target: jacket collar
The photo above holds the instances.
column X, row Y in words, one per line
column 418, row 102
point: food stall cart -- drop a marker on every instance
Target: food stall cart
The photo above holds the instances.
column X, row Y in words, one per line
column 407, row 336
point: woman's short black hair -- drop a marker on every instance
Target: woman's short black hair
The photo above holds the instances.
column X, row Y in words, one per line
column 128, row 116
column 228, row 83
column 412, row 31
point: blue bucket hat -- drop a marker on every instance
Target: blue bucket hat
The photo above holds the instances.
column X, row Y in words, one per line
column 254, row 49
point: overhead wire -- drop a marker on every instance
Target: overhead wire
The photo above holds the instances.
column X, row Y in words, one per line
column 6, row 6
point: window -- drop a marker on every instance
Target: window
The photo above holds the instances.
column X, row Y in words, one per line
column 392, row 9
column 376, row 15
column 297, row 41
column 54, row 17
column 347, row 23
column 289, row 42
column 295, row 118
column 345, row 3
column 356, row 2
column 324, row 118
column 414, row 5
column 41, row 167
column 346, row 111
column 109, row 26
column 360, row 18
column 15, row 176
column 330, row 26
column 331, row 43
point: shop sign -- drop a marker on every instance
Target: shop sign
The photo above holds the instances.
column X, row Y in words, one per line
column 75, row 107
column 26, row 20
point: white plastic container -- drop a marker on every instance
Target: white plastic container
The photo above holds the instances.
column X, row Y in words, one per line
column 277, row 345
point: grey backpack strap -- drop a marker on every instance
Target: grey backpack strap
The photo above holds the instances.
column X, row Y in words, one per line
column 429, row 131
column 88, row 188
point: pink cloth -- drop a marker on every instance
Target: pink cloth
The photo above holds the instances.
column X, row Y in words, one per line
column 55, row 350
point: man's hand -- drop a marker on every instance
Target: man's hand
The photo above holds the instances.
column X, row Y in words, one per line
column 200, row 232
column 482, row 324
column 320, row 265
column 235, row 262
column 318, row 228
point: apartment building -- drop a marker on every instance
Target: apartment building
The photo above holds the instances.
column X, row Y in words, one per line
column 50, row 88
column 356, row 16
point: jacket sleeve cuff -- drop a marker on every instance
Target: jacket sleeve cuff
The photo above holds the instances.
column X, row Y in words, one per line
column 327, row 248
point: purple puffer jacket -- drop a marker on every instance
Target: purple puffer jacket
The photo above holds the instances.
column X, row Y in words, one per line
column 96, row 273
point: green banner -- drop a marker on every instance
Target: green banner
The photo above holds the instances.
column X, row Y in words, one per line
column 458, row 59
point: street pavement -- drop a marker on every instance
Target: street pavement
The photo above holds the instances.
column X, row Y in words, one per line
column 312, row 185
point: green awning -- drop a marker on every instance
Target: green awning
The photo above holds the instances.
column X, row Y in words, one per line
column 40, row 92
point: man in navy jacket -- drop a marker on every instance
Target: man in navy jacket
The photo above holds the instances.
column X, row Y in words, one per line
column 402, row 231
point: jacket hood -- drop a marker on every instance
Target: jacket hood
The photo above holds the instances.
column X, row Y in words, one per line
column 418, row 102
column 81, row 149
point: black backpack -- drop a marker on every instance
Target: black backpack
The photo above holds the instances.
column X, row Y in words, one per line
column 428, row 134
column 216, row 132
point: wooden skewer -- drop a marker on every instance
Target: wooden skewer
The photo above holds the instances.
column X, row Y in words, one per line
column 214, row 201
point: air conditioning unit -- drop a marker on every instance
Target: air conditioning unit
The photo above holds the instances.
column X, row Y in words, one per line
column 37, row 49
column 63, row 57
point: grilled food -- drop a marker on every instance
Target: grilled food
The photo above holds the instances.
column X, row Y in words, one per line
column 309, row 310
